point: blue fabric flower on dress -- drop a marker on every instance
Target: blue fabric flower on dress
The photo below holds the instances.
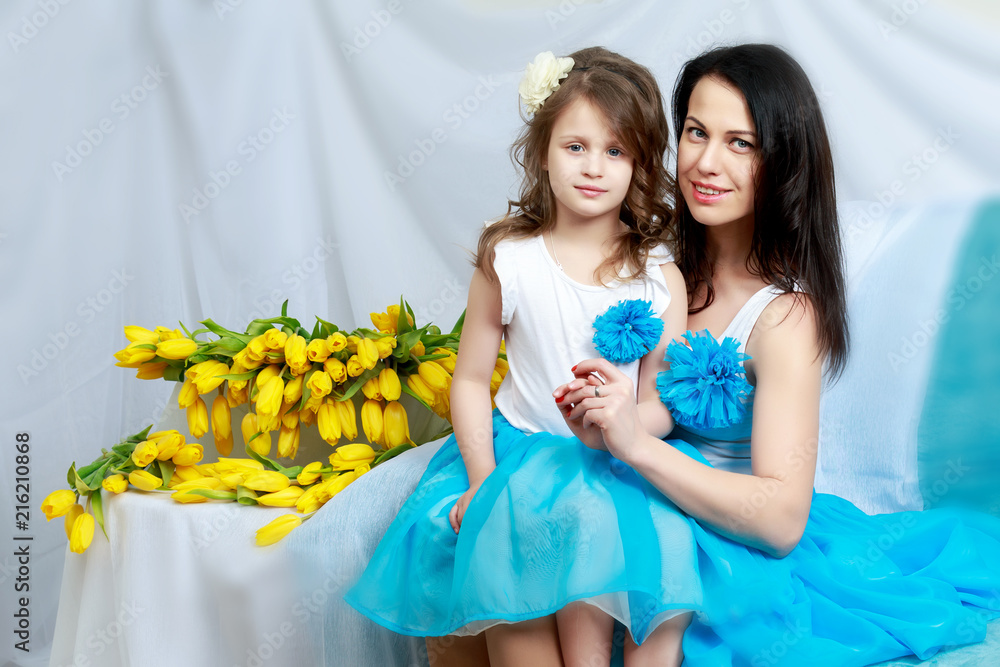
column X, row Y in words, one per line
column 706, row 383
column 627, row 331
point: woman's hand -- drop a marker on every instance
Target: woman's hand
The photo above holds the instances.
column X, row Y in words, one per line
column 601, row 402
column 457, row 512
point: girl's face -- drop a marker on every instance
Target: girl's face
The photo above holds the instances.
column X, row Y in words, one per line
column 589, row 170
column 717, row 155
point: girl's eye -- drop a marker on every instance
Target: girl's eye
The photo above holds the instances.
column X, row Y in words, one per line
column 575, row 148
column 614, row 152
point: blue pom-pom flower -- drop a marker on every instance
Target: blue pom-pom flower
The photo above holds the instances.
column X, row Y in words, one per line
column 627, row 331
column 706, row 383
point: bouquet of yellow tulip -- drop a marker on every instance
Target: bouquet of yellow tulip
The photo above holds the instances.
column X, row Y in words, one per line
column 290, row 377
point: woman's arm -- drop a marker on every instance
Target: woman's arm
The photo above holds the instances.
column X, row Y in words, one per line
column 653, row 414
column 471, row 414
column 767, row 509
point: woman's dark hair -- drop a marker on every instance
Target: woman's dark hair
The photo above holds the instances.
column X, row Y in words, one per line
column 796, row 238
column 627, row 96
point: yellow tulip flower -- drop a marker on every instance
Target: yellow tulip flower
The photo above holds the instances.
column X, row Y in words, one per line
column 222, row 426
column 197, row 418
column 502, row 366
column 495, row 381
column 277, row 529
column 385, row 323
column 290, row 419
column 270, row 397
column 188, row 394
column 257, row 348
column 397, row 427
column 188, row 455
column 70, row 519
column 115, row 483
column 385, row 346
column 388, row 384
column 262, row 443
column 370, row 389
column 266, row 373
column 371, row 422
column 285, row 498
column 420, row 388
column 134, row 354
column 354, row 367
column 144, row 453
column 188, row 498
column 447, row 362
column 310, row 473
column 352, row 344
column 317, row 350
column 335, row 485
column 209, row 377
column 436, row 377
column 307, row 417
column 141, row 335
column 336, row 369
column 167, row 443
column 295, row 354
column 82, row 533
column 176, row 348
column 367, row 353
column 237, row 395
column 348, row 419
column 168, row 334
column 266, row 480
column 185, row 473
column 152, row 370
column 336, row 342
column 328, row 422
column 320, row 384
column 275, row 339
column 146, row 481
column 349, row 457
column 293, row 389
column 213, row 483
column 288, row 441
column 418, row 349
column 58, row 503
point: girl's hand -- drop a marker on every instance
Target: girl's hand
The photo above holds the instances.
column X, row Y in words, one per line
column 611, row 409
column 457, row 512
column 567, row 395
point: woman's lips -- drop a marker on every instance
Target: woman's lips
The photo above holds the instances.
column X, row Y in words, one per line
column 699, row 194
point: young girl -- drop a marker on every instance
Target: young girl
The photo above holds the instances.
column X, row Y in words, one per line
column 788, row 576
column 515, row 522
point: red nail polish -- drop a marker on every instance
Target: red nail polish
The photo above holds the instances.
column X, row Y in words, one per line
column 574, row 367
column 560, row 399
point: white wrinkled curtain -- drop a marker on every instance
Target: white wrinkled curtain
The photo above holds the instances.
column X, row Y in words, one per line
column 168, row 161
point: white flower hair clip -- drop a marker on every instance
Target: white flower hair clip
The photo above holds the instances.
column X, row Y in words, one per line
column 541, row 79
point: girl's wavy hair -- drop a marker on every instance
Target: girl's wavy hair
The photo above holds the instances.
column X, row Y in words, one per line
column 796, row 239
column 628, row 97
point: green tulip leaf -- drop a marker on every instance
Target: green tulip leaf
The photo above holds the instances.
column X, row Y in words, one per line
column 402, row 323
column 71, row 476
column 245, row 496
column 271, row 464
column 229, row 343
column 284, row 308
column 403, row 305
column 358, row 382
column 215, row 494
column 94, row 479
column 257, row 327
column 443, row 434
column 144, row 346
column 407, row 390
column 173, row 374
column 457, row 329
column 392, row 453
column 240, row 376
column 166, row 470
column 97, row 506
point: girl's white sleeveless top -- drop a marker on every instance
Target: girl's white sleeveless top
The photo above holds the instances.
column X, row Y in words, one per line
column 548, row 319
column 729, row 448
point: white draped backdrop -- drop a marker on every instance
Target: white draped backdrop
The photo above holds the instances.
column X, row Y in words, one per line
column 183, row 159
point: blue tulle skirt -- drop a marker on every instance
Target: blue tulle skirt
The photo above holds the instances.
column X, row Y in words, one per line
column 558, row 522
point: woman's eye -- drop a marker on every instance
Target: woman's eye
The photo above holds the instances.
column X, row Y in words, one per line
column 743, row 144
column 697, row 133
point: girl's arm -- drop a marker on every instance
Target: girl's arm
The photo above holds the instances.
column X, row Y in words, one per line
column 767, row 509
column 653, row 414
column 471, row 414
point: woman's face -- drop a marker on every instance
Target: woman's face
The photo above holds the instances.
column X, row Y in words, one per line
column 717, row 155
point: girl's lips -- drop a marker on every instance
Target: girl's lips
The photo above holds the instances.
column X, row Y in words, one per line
column 704, row 198
column 590, row 191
